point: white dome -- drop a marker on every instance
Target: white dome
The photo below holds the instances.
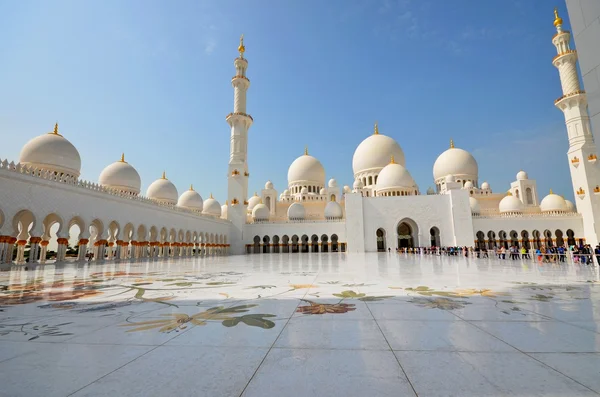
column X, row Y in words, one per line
column 322, row 191
column 375, row 152
column 430, row 190
column 286, row 192
column 51, row 152
column 468, row 185
column 296, row 211
column 269, row 185
column 211, row 207
column 253, row 202
column 553, row 203
column 510, row 204
column 347, row 188
column 457, row 162
column 358, row 184
column 485, row 186
column 224, row 211
column 570, row 206
column 394, row 176
column 333, row 210
column 332, row 183
column 190, row 199
column 304, row 190
column 475, row 209
column 449, row 179
column 121, row 176
column 260, row 212
column 522, row 175
column 162, row 190
column 306, row 168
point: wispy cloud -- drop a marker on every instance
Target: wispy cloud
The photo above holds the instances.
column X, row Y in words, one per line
column 210, row 45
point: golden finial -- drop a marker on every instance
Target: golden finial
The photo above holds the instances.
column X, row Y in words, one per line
column 241, row 48
column 551, row 192
column 226, row 202
column 255, row 194
column 451, row 143
column 392, row 160
column 557, row 20
column 56, row 129
column 509, row 193
column 211, row 195
column 122, row 157
column 191, row 187
column 376, row 132
column 164, row 175
column 261, row 201
column 306, row 150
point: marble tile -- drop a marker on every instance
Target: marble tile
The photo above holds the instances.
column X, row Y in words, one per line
column 58, row 369
column 467, row 374
column 544, row 337
column 583, row 367
column 308, row 372
column 183, row 371
column 593, row 326
column 316, row 333
column 403, row 310
column 440, row 336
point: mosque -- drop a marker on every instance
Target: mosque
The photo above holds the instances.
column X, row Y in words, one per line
column 42, row 198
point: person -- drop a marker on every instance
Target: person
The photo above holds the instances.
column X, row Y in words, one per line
column 538, row 253
column 561, row 253
column 524, row 254
column 389, row 250
column 597, row 252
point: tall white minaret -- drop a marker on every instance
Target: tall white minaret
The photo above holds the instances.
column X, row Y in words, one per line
column 585, row 173
column 237, row 176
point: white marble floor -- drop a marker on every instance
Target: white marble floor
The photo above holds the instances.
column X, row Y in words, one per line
column 301, row 325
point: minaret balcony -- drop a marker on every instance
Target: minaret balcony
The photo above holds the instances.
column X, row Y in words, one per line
column 230, row 115
column 239, row 76
column 562, row 54
column 569, row 95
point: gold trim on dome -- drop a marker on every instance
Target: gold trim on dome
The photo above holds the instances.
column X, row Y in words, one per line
column 192, row 187
column 392, row 159
column 164, row 175
column 123, row 158
column 55, row 131
column 557, row 20
column 509, row 193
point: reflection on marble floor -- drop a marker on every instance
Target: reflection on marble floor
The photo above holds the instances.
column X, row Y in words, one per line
column 376, row 324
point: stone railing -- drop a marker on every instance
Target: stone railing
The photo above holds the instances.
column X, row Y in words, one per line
column 288, row 221
column 71, row 180
column 538, row 215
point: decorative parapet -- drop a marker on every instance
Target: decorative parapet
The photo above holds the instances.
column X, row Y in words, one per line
column 234, row 201
column 239, row 76
column 280, row 222
column 597, row 190
column 239, row 114
column 538, row 215
column 578, row 92
column 575, row 161
column 592, row 158
column 64, row 179
column 580, row 193
column 235, row 173
column 564, row 53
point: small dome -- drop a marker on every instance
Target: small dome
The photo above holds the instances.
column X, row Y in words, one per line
column 510, row 204
column 570, row 206
column 211, row 207
column 347, row 188
column 485, row 186
column 332, row 183
column 269, row 185
column 333, row 210
column 306, row 168
column 358, row 184
column 430, row 190
column 374, row 153
column 253, row 202
column 296, row 212
column 394, row 176
column 522, row 175
column 191, row 200
column 52, row 152
column 304, row 190
column 224, row 208
column 468, row 185
column 322, row 191
column 553, row 203
column 457, row 162
column 260, row 212
column 286, row 193
column 162, row 190
column 475, row 209
column 121, row 176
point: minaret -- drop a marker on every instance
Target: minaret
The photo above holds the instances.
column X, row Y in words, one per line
column 582, row 153
column 237, row 176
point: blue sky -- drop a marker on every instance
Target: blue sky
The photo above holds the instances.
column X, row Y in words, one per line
column 152, row 79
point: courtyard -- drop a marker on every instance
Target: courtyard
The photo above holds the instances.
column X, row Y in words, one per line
column 323, row 324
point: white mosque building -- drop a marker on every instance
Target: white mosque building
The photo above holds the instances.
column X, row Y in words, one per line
column 42, row 198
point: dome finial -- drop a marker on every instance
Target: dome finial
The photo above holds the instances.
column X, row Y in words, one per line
column 164, row 175
column 551, row 192
column 306, row 150
column 191, row 187
column 376, row 132
column 451, row 143
column 211, row 195
column 122, row 157
column 55, row 129
column 557, row 20
column 392, row 160
column 241, row 48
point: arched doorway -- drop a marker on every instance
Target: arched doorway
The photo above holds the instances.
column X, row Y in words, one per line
column 334, row 243
column 256, row 245
column 276, row 244
column 548, row 238
column 285, row 240
column 514, row 238
column 571, row 238
column 434, row 237
column 537, row 243
column 525, row 239
column 314, row 242
column 529, row 196
column 502, row 239
column 294, row 244
column 480, row 240
column 491, row 240
column 324, row 243
column 266, row 248
column 406, row 235
column 560, row 242
column 304, row 243
column 380, row 240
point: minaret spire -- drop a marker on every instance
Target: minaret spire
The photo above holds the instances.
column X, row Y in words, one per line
column 585, row 177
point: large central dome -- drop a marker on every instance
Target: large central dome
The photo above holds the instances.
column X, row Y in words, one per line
column 375, row 152
column 306, row 168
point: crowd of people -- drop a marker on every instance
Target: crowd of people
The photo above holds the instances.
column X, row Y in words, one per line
column 546, row 254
